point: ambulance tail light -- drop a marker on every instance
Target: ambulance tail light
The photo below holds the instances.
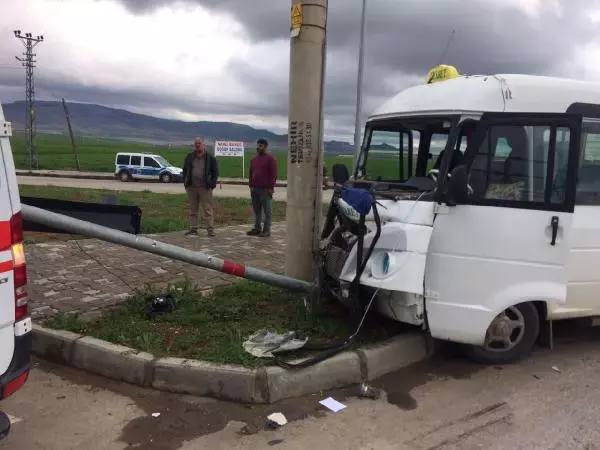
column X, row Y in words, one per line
column 16, row 228
column 19, row 267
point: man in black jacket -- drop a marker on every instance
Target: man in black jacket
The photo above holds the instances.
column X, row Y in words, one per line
column 200, row 176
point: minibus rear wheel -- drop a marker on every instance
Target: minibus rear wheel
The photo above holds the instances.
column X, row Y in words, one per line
column 510, row 337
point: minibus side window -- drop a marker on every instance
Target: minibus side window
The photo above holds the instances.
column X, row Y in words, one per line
column 588, row 180
column 561, row 164
column 438, row 143
column 512, row 165
column 436, row 150
column 407, row 164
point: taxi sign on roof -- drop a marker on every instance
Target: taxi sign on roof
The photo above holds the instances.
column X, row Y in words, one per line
column 441, row 73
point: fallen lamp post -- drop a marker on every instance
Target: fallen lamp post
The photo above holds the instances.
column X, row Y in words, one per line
column 149, row 245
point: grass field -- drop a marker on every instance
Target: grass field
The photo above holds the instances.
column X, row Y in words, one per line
column 160, row 212
column 214, row 328
column 98, row 155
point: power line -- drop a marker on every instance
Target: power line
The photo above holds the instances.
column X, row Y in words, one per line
column 447, row 47
column 28, row 61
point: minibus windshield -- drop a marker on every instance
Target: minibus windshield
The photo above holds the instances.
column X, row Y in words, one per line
column 400, row 153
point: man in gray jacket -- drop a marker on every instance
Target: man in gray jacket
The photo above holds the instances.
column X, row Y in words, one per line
column 200, row 176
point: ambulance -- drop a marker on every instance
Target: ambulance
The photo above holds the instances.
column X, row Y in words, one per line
column 488, row 211
column 15, row 323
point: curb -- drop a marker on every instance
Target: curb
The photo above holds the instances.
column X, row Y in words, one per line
column 228, row 382
column 110, row 176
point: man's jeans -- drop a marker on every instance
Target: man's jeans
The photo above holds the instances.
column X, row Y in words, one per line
column 262, row 206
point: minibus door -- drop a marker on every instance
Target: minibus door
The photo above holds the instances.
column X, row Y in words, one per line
column 508, row 242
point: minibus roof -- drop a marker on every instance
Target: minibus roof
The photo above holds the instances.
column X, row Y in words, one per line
column 491, row 93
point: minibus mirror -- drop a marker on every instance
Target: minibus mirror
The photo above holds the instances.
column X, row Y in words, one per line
column 458, row 185
column 340, row 173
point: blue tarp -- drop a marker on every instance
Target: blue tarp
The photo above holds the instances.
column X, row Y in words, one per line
column 361, row 200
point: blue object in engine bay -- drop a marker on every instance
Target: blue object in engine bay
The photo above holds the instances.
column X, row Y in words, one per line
column 361, row 200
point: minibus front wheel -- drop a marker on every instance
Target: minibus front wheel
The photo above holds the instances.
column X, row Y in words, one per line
column 510, row 337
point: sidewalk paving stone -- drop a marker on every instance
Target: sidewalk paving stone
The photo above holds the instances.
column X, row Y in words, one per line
column 89, row 275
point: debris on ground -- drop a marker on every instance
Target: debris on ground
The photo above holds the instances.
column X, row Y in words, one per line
column 276, row 420
column 263, row 343
column 332, row 404
column 162, row 304
column 156, row 415
column 556, row 369
column 367, row 391
column 13, row 419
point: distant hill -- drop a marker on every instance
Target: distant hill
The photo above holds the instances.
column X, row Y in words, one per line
column 101, row 121
column 339, row 148
column 384, row 147
column 96, row 120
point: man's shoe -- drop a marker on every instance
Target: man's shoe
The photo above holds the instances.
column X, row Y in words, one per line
column 192, row 233
column 265, row 234
column 253, row 232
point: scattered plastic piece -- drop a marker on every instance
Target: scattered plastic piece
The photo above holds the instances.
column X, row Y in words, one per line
column 14, row 419
column 263, row 343
column 156, row 415
column 371, row 392
column 556, row 369
column 332, row 404
column 277, row 420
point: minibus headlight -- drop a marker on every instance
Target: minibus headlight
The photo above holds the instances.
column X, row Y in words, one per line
column 385, row 263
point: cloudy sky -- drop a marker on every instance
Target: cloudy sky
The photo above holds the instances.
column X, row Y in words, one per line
column 228, row 59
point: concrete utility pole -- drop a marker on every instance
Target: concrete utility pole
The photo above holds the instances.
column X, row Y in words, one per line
column 359, row 82
column 305, row 138
column 29, row 63
column 71, row 135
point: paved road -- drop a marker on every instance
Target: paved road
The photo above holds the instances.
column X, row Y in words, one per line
column 226, row 190
column 550, row 401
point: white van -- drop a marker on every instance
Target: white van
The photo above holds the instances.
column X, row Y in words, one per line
column 489, row 207
column 140, row 166
column 15, row 323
